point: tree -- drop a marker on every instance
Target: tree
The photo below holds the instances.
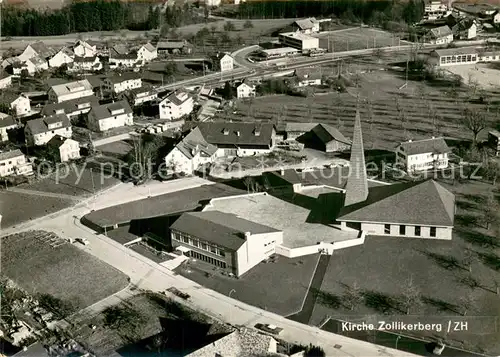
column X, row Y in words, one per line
column 228, row 92
column 356, row 80
column 470, row 257
column 226, row 40
column 475, row 121
column 353, row 295
column 411, row 295
column 468, row 302
column 314, row 351
column 213, row 30
column 492, row 171
column 239, row 39
column 124, row 319
column 248, row 181
column 248, row 25
column 491, row 209
column 229, row 26
column 58, row 307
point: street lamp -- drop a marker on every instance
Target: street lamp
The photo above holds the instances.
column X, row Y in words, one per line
column 232, row 291
column 397, row 339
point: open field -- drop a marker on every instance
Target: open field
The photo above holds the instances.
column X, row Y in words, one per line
column 279, row 285
column 385, row 127
column 73, row 181
column 64, row 271
column 439, row 270
column 482, row 73
column 17, row 207
column 357, row 38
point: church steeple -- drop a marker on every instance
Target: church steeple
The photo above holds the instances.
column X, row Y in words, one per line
column 357, row 184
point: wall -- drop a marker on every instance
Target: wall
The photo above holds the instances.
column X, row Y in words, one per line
column 42, row 139
column 113, row 122
column 326, row 248
column 75, row 95
column 378, row 229
column 257, row 248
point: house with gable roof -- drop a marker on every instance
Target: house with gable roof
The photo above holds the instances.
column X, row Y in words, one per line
column 108, row 116
column 465, row 29
column 306, row 26
column 121, row 57
column 36, row 49
column 40, row 131
column 147, row 53
column 85, row 64
column 84, row 49
column 7, row 123
column 14, row 163
column 123, row 82
column 422, row 155
column 176, row 105
column 440, row 35
column 71, row 90
column 67, row 149
column 21, row 105
column 63, row 56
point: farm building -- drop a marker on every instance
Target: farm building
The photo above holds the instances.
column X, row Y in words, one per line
column 304, row 78
column 280, row 52
column 421, row 155
column 328, row 139
column 475, row 9
column 422, row 209
column 166, row 47
column 294, row 130
column 298, row 40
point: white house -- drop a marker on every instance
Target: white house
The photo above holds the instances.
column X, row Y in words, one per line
column 21, row 106
column 245, row 91
column 307, row 26
column 225, row 240
column 32, row 65
column 190, row 153
column 305, row 78
column 109, row 116
column 147, row 53
column 40, row 131
column 299, row 41
column 421, row 155
column 140, row 96
column 455, row 56
column 36, row 49
column 72, row 108
column 121, row 57
column 14, row 163
column 440, row 35
column 7, row 123
column 434, row 10
column 5, row 80
column 86, row 64
column 68, row 149
column 72, row 90
column 496, row 18
column 176, row 105
column 63, row 56
column 123, row 82
column 223, row 62
column 84, row 49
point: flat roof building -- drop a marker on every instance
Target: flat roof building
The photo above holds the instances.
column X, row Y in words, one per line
column 299, row 41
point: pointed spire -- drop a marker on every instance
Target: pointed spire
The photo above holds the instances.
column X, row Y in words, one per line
column 357, row 184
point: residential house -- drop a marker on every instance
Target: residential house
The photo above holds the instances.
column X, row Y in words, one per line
column 494, row 141
column 72, row 90
column 21, row 106
column 190, row 153
column 140, row 96
column 123, row 82
column 222, row 62
column 72, row 108
column 32, row 65
column 305, row 78
column 242, row 342
column 225, row 240
column 36, row 49
column 9, row 61
column 63, row 56
column 7, row 123
column 86, row 64
column 421, row 155
column 496, row 18
column 147, row 53
column 422, row 209
column 435, row 9
column 84, row 49
column 306, row 26
column 245, row 91
column 5, row 79
column 40, row 131
column 108, row 116
column 173, row 47
column 466, row 29
column 440, row 35
column 14, row 163
column 67, row 149
column 239, row 138
column 121, row 57
column 176, row 105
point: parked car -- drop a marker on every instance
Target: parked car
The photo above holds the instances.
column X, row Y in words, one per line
column 83, row 241
column 439, row 348
column 275, row 330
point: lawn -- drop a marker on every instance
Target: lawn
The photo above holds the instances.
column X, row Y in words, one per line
column 17, row 208
column 279, row 285
column 119, row 148
column 74, row 180
column 384, row 127
column 63, row 271
column 439, row 270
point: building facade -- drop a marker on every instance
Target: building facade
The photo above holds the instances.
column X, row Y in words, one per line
column 68, row 91
column 440, row 35
column 298, row 40
column 7, row 123
column 86, row 64
column 21, row 106
column 123, row 82
column 245, row 91
column 84, row 49
column 147, row 53
column 108, row 116
column 40, row 131
column 455, row 56
column 72, row 108
column 14, row 163
column 422, row 155
column 68, row 149
column 64, row 56
column 176, row 105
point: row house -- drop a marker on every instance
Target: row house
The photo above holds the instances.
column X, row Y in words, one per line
column 72, row 108
column 21, row 106
column 67, row 149
column 176, row 105
column 108, row 116
column 14, row 163
column 85, row 64
column 72, row 90
column 422, row 155
column 40, row 131
column 7, row 122
column 123, row 82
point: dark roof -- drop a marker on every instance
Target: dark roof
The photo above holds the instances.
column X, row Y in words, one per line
column 35, row 350
column 42, row 49
column 463, row 24
column 277, row 178
column 95, row 81
column 414, row 203
column 69, row 106
column 104, row 111
column 214, row 133
column 118, row 53
column 84, row 59
column 441, row 31
column 299, row 127
column 171, row 44
column 40, row 125
column 434, row 145
column 303, row 75
column 10, row 154
column 56, row 141
column 7, row 121
column 327, row 133
column 224, row 229
column 456, row 51
column 172, row 97
column 124, row 77
column 194, row 142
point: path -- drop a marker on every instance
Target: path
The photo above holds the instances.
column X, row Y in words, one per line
column 44, row 194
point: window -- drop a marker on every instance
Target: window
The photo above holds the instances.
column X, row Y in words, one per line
column 204, row 246
column 387, row 229
column 222, row 253
column 417, row 231
column 185, row 239
column 402, row 230
column 213, row 249
column 433, row 232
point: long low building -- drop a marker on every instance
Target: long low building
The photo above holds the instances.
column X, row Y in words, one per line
column 463, row 55
column 299, row 41
column 280, row 52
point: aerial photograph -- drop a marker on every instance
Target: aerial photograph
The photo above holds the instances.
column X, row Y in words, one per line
column 249, row 178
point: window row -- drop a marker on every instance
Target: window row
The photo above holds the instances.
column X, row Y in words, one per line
column 207, row 259
column 459, row 59
column 198, row 244
column 417, row 230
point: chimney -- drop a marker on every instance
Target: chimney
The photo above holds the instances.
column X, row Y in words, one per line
column 434, row 137
column 410, row 141
column 225, row 131
column 247, row 235
column 237, row 133
column 257, row 131
column 282, row 172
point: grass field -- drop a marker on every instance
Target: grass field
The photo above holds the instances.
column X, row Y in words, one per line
column 384, row 128
column 439, row 270
column 16, row 208
column 284, row 281
column 66, row 272
column 357, row 39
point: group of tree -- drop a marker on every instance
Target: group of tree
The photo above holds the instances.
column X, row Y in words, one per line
column 94, row 15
